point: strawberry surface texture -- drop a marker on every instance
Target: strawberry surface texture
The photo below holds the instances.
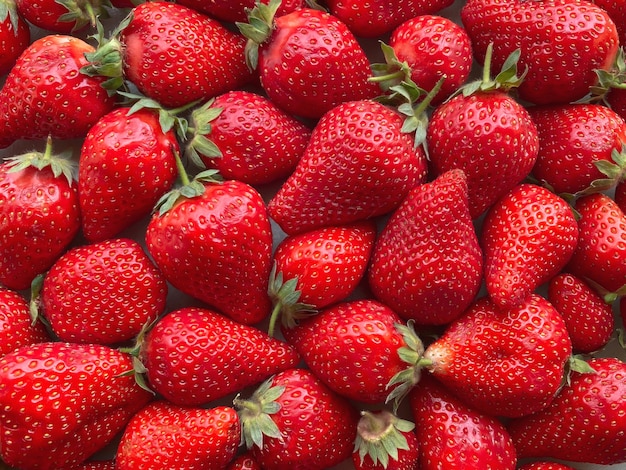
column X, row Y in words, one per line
column 313, row 234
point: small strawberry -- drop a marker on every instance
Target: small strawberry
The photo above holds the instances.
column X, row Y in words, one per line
column 450, row 431
column 46, row 94
column 102, row 293
column 163, row 435
column 62, row 16
column 308, row 61
column 294, row 422
column 237, row 10
column 61, row 402
column 345, row 173
column 584, row 423
column 527, row 237
column 39, row 214
column 427, row 264
column 194, row 356
column 16, row 326
column 14, row 35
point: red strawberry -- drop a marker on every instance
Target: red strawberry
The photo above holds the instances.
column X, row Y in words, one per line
column 503, row 362
column 38, row 208
column 62, row 402
column 584, row 423
column 427, row 264
column 308, row 60
column 102, row 293
column 16, row 326
column 617, row 12
column 126, row 164
column 545, row 466
column 573, row 140
column 194, row 356
column 247, row 138
column 233, row 11
column 46, row 94
column 294, row 422
column 164, row 435
column 244, row 462
column 600, row 254
column 14, row 35
column 450, row 431
column 561, row 42
column 385, row 441
column 527, row 237
column 62, row 16
column 345, row 174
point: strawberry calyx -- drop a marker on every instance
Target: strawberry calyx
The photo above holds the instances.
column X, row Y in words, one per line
column 8, row 9
column 614, row 170
column 83, row 12
column 576, row 363
column 258, row 29
column 380, row 436
column 197, row 133
column 139, row 369
column 34, row 305
column 61, row 164
column 613, row 78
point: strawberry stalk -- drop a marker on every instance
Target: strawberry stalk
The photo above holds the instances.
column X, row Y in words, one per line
column 379, row 435
column 505, row 80
column 60, row 164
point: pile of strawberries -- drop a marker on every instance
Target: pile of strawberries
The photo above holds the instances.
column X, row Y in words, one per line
column 299, row 235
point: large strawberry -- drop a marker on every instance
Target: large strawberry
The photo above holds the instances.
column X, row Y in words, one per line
column 46, row 94
column 16, row 326
column 163, row 435
column 427, row 264
column 237, row 10
column 126, row 164
column 62, row 16
column 194, row 356
column 562, row 42
column 308, row 60
column 584, row 423
column 345, row 173
column 62, row 402
column 14, row 35
column 38, row 208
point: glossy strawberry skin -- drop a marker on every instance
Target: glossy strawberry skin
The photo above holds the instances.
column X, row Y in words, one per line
column 584, row 423
column 164, row 435
column 345, row 175
column 233, row 11
column 126, row 164
column 103, row 292
column 176, row 55
column 527, row 237
column 617, row 12
column 244, row 462
column 46, row 94
column 195, row 356
column 545, row 466
column 561, row 41
column 427, row 264
column 52, row 416
column 48, row 14
column 490, row 137
column 503, row 362
column 227, row 228
column 36, row 209
column 16, row 326
column 14, row 36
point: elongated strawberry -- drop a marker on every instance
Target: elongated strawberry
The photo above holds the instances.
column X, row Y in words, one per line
column 233, row 11
column 527, row 237
column 16, row 326
column 63, row 16
column 345, row 173
column 561, row 41
column 584, row 423
column 14, row 35
column 164, row 435
column 46, row 94
column 52, row 415
column 427, row 264
column 194, row 356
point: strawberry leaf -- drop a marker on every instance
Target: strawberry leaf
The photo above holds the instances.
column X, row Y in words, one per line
column 379, row 436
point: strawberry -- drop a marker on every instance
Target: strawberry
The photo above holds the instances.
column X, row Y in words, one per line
column 16, row 326
column 427, row 264
column 223, row 225
column 450, row 431
column 62, row 402
column 600, row 253
column 617, row 12
column 611, row 86
column 62, row 16
column 345, row 173
column 503, row 362
column 527, row 237
column 588, row 317
column 126, row 164
column 486, row 133
column 576, row 142
column 244, row 462
column 102, row 293
column 38, row 208
column 164, row 435
column 234, row 11
column 294, row 422
column 584, row 423
column 246, row 137
column 194, row 356
column 544, row 465
column 560, row 41
column 46, row 94
column 14, row 35
column 308, row 61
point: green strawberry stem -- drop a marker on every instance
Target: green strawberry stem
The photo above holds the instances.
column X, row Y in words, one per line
column 60, row 164
column 197, row 134
column 82, row 12
column 258, row 29
column 379, row 435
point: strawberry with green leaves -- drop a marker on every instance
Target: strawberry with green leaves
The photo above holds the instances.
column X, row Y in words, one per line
column 163, row 435
column 14, row 35
column 54, row 413
column 16, row 326
column 62, row 16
